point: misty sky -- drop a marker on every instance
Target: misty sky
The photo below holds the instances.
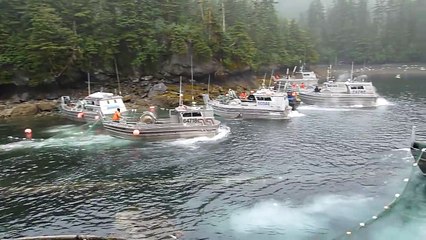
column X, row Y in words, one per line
column 293, row 8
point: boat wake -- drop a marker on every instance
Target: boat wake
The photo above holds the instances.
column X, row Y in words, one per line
column 294, row 114
column 60, row 129
column 316, row 108
column 80, row 140
column 224, row 131
column 383, row 102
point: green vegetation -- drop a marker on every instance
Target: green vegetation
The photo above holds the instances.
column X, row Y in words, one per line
column 390, row 31
column 50, row 39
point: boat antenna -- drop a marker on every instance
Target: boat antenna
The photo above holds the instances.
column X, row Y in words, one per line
column 294, row 70
column 270, row 79
column 352, row 71
column 208, row 85
column 88, row 82
column 263, row 82
column 192, row 81
column 180, row 92
column 118, row 76
column 328, row 73
column 413, row 135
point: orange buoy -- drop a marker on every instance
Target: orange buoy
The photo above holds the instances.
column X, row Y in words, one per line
column 136, row 132
column 28, row 133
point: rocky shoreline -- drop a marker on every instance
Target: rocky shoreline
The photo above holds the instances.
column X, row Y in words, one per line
column 137, row 94
column 147, row 91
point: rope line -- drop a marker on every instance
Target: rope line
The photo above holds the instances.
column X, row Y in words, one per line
column 386, row 209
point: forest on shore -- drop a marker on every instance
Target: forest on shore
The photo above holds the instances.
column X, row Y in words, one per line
column 368, row 31
column 46, row 40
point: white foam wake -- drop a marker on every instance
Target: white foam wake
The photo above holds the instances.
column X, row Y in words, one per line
column 78, row 140
column 383, row 102
column 316, row 108
column 60, row 129
column 294, row 114
column 223, row 132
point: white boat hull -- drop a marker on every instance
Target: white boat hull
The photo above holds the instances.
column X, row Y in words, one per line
column 230, row 111
column 160, row 130
column 79, row 116
column 338, row 100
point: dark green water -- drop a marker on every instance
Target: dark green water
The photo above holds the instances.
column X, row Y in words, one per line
column 316, row 176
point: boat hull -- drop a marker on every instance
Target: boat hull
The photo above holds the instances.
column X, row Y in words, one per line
column 417, row 150
column 228, row 111
column 159, row 131
column 79, row 116
column 338, row 100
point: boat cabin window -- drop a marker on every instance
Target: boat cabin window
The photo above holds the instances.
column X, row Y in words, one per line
column 251, row 98
column 264, row 99
column 192, row 114
column 359, row 87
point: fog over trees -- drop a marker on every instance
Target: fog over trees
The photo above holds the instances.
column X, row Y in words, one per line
column 50, row 39
column 375, row 31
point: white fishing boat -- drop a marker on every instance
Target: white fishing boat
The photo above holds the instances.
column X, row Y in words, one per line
column 342, row 94
column 91, row 107
column 297, row 79
column 182, row 122
column 264, row 103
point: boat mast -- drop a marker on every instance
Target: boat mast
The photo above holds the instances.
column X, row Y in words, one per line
column 328, row 73
column 208, row 85
column 118, row 77
column 88, row 82
column 180, row 92
column 192, row 81
column 270, row 79
column 352, row 72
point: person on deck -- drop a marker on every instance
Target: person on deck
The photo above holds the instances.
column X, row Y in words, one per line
column 117, row 115
column 302, row 86
column 317, row 89
column 243, row 95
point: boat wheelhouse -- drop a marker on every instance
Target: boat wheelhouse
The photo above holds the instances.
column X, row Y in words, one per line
column 261, row 104
column 91, row 107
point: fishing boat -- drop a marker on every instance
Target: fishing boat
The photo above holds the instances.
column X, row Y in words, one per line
column 297, row 79
column 92, row 107
column 265, row 103
column 342, row 94
column 182, row 122
column 418, row 150
column 345, row 94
